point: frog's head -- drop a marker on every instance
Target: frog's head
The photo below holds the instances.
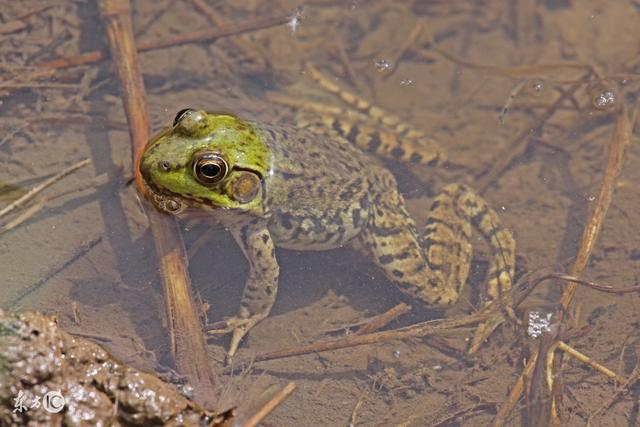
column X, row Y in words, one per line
column 206, row 160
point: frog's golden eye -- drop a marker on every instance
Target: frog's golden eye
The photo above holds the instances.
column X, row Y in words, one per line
column 210, row 168
column 182, row 114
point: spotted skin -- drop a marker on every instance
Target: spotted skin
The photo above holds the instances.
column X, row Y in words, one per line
column 319, row 191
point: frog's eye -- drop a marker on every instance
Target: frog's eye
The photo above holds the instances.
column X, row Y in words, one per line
column 210, row 168
column 182, row 114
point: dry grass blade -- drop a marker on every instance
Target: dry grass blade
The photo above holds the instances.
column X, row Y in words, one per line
column 619, row 140
column 197, row 36
column 270, row 405
column 379, row 322
column 186, row 335
column 40, row 187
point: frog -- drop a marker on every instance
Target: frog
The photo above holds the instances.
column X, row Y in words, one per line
column 300, row 187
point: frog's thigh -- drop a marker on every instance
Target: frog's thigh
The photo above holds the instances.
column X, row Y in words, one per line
column 432, row 270
column 262, row 282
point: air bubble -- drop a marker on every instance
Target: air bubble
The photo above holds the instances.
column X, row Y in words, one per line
column 382, row 65
column 539, row 323
column 603, row 96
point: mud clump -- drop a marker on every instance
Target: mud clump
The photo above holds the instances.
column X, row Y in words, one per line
column 44, row 369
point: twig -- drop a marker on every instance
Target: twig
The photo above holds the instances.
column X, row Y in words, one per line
column 619, row 140
column 592, row 228
column 38, row 188
column 380, row 321
column 586, row 360
column 633, row 378
column 352, row 421
column 24, row 216
column 516, row 391
column 197, row 36
column 77, row 254
column 348, row 69
column 215, row 18
column 187, row 340
column 519, row 144
column 420, row 329
column 417, row 31
column 270, row 405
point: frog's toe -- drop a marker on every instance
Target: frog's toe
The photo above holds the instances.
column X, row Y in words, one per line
column 238, row 327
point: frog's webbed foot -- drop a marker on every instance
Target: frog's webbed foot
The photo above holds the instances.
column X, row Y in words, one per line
column 238, row 327
column 494, row 314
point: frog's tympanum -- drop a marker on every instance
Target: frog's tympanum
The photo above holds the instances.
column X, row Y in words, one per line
column 296, row 188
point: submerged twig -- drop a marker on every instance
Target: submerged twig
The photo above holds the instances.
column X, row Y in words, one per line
column 380, row 321
column 186, row 336
column 415, row 34
column 38, row 188
column 197, row 36
column 77, row 254
column 270, row 405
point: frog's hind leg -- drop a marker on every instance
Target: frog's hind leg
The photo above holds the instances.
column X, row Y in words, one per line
column 434, row 267
column 458, row 204
column 431, row 269
column 390, row 137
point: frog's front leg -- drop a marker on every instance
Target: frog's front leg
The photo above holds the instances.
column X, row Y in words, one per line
column 262, row 284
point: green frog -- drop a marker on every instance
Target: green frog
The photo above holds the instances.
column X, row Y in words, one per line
column 299, row 187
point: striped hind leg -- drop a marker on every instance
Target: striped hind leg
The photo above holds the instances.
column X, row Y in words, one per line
column 459, row 204
column 435, row 267
column 432, row 269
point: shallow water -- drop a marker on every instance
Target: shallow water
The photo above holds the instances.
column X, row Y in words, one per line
column 88, row 249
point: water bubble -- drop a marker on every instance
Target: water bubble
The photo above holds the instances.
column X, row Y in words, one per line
column 604, row 100
column 537, row 85
column 295, row 20
column 591, row 198
column 406, row 82
column 382, row 65
column 396, row 354
column 538, row 323
column 603, row 95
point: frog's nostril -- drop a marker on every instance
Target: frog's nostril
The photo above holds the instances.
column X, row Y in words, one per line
column 164, row 165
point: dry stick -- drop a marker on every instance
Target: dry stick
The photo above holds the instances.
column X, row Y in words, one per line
column 197, row 36
column 186, row 336
column 270, row 405
column 619, row 140
column 40, row 204
column 624, row 388
column 516, row 391
column 38, row 188
column 348, row 69
column 518, row 146
column 417, row 31
column 561, row 345
column 417, row 330
column 73, row 257
column 379, row 322
column 219, row 21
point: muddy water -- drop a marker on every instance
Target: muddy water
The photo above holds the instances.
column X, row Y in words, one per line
column 88, row 250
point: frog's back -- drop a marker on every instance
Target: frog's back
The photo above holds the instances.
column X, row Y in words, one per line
column 320, row 187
